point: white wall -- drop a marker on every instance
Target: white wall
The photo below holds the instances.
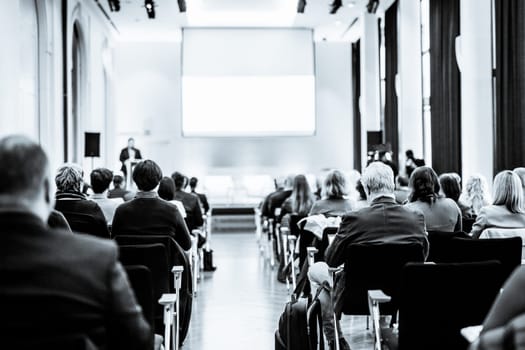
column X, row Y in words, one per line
column 148, row 107
column 476, row 88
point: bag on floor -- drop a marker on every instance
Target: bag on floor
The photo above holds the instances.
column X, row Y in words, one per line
column 301, row 325
column 208, row 260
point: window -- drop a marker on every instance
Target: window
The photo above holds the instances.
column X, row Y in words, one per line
column 425, row 77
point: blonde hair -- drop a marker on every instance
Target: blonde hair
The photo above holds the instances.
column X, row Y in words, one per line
column 334, row 185
column 507, row 191
column 378, row 178
column 476, row 192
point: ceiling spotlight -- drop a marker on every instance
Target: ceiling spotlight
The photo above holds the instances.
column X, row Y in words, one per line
column 372, row 6
column 335, row 6
column 150, row 8
column 114, row 5
column 300, row 6
column 182, row 5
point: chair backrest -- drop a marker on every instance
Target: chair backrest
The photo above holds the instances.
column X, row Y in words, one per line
column 376, row 266
column 439, row 242
column 461, row 250
column 140, row 280
column 64, row 342
column 84, row 223
column 437, row 300
column 467, row 223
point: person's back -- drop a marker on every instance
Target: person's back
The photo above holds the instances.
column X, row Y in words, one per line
column 54, row 283
column 118, row 191
column 202, row 197
column 100, row 180
column 334, row 202
column 190, row 201
column 82, row 215
column 443, row 215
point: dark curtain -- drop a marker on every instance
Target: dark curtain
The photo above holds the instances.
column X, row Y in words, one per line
column 391, row 123
column 509, row 123
column 356, row 92
column 445, row 88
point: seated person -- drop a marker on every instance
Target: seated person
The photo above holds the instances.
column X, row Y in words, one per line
column 100, row 180
column 300, row 202
column 451, row 188
column 83, row 216
column 147, row 214
column 508, row 209
column 476, row 194
column 361, row 202
column 521, row 173
column 56, row 284
column 384, row 221
column 504, row 326
column 283, row 190
column 190, row 201
column 204, row 200
column 402, row 190
column 334, row 201
column 441, row 214
column 167, row 192
column 118, row 191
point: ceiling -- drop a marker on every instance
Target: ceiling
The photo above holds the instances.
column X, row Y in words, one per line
column 133, row 24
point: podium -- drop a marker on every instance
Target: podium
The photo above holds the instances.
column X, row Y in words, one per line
column 130, row 165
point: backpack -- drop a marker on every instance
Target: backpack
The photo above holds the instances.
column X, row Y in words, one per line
column 301, row 324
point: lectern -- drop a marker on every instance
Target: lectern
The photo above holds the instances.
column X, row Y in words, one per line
column 130, row 165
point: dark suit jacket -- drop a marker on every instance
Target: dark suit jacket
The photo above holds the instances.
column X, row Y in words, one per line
column 274, row 200
column 204, row 201
column 121, row 193
column 143, row 216
column 56, row 284
column 384, row 221
column 124, row 155
column 192, row 206
column 83, row 216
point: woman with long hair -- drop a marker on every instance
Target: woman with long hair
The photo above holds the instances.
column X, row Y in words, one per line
column 441, row 214
column 300, row 201
column 476, row 194
column 334, row 201
column 451, row 188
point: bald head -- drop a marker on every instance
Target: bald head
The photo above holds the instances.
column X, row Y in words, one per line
column 24, row 167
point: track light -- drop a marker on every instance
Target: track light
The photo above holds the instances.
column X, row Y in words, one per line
column 300, row 6
column 114, row 5
column 182, row 5
column 372, row 6
column 150, row 8
column 335, row 6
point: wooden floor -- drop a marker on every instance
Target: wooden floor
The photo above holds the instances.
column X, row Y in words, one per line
column 238, row 306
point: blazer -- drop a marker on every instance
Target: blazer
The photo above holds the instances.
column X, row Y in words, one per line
column 148, row 214
column 496, row 216
column 384, row 221
column 332, row 207
column 192, row 205
column 55, row 284
column 443, row 215
column 274, row 200
column 124, row 155
column 204, row 201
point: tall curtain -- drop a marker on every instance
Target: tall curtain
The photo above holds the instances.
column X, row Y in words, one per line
column 356, row 93
column 445, row 88
column 391, row 123
column 509, row 123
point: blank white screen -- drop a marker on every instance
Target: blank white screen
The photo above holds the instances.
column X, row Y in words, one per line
column 248, row 82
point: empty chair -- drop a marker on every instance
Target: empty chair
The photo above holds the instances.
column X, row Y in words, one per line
column 437, row 300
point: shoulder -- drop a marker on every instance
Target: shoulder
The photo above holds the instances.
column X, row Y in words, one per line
column 88, row 247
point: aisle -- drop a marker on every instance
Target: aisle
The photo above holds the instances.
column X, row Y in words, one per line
column 238, row 306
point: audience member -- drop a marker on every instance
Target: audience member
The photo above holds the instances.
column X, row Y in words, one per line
column 504, row 326
column 441, row 214
column 83, row 215
column 476, row 194
column 402, row 190
column 384, row 221
column 277, row 198
column 386, row 158
column 410, row 163
column 100, row 180
column 361, row 202
column 507, row 210
column 333, row 202
column 191, row 202
column 451, row 188
column 118, row 191
column 204, row 200
column 55, row 284
column 521, row 173
column 300, row 201
column 147, row 214
column 167, row 192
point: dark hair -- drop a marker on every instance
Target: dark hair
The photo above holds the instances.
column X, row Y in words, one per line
column 450, row 186
column 167, row 188
column 100, row 179
column 147, row 175
column 193, row 182
column 409, row 154
column 69, row 178
column 118, row 180
column 186, row 181
column 302, row 197
column 361, row 190
column 178, row 179
column 402, row 180
column 23, row 166
column 424, row 184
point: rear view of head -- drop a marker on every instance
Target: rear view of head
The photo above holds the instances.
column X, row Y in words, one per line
column 167, row 188
column 378, row 178
column 424, row 184
column 24, row 175
column 147, row 175
column 302, row 197
column 476, row 191
column 69, row 178
column 100, row 179
column 450, row 186
column 193, row 183
column 178, row 179
column 118, row 180
column 334, row 185
column 507, row 191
